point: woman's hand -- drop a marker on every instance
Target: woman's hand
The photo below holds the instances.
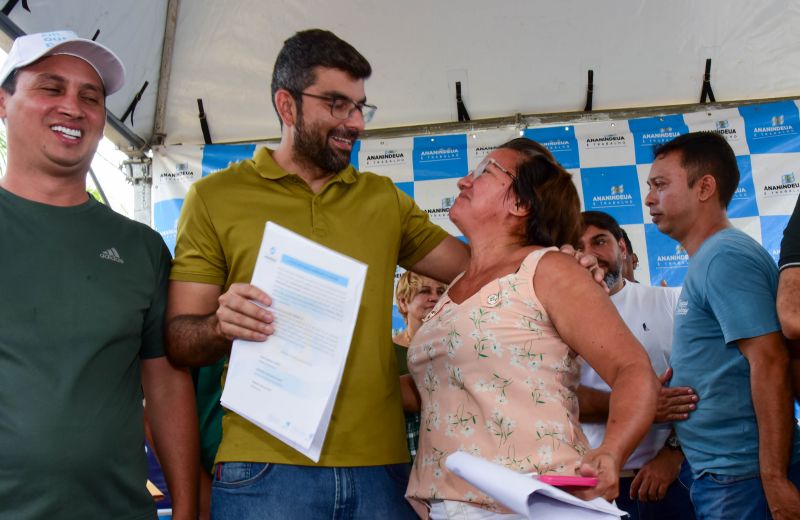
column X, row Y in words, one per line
column 602, row 465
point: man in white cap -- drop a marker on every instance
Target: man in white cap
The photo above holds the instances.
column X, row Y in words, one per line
column 84, row 292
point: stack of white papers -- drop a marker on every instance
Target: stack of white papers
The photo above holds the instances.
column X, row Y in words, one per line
column 525, row 494
column 287, row 385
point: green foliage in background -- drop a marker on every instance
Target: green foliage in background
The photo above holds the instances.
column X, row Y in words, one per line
column 96, row 194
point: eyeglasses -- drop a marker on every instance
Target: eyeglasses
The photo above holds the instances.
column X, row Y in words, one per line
column 342, row 107
column 481, row 168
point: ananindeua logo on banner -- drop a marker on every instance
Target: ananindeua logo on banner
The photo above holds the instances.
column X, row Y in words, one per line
column 440, row 157
column 609, row 161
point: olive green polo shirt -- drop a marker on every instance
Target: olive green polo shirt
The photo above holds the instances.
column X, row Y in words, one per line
column 361, row 215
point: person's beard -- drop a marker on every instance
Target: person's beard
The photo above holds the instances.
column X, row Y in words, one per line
column 613, row 273
column 309, row 145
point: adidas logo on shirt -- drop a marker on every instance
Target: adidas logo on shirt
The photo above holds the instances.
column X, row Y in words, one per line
column 113, row 255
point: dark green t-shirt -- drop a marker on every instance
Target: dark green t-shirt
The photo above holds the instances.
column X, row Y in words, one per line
column 83, row 297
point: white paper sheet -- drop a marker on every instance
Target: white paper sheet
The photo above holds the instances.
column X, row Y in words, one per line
column 525, row 494
column 287, row 385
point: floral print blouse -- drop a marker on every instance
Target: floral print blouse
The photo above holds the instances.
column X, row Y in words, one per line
column 496, row 381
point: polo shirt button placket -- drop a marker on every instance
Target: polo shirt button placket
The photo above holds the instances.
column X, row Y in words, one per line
column 317, row 225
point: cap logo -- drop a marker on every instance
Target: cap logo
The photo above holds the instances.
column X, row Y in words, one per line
column 51, row 39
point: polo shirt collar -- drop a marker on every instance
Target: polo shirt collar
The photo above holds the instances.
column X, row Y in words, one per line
column 269, row 169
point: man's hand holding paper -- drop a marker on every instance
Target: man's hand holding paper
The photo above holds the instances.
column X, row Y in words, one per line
column 239, row 315
column 287, row 361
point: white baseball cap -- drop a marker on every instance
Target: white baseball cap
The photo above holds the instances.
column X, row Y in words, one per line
column 31, row 47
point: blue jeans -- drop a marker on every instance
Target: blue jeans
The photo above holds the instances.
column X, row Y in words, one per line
column 675, row 505
column 249, row 490
column 721, row 497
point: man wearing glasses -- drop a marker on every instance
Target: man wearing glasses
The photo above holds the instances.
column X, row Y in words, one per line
column 307, row 185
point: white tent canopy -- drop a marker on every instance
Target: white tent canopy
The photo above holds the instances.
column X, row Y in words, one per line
column 511, row 56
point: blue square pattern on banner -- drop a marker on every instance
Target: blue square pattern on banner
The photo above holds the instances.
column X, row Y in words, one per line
column 614, row 190
column 743, row 203
column 772, row 227
column 772, row 127
column 165, row 220
column 668, row 260
column 219, row 156
column 561, row 142
column 440, row 157
column 407, row 188
column 651, row 132
column 354, row 154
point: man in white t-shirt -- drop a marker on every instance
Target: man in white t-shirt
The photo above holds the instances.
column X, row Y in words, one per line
column 649, row 487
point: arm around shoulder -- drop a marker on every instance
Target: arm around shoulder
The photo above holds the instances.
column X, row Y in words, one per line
column 445, row 261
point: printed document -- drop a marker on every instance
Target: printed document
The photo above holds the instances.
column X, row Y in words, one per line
column 525, row 495
column 287, row 385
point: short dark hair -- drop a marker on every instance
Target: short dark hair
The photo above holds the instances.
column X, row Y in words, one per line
column 294, row 67
column 604, row 221
column 706, row 153
column 545, row 188
column 10, row 83
column 628, row 244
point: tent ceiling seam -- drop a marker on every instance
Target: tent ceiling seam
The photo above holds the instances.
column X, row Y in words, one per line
column 167, row 49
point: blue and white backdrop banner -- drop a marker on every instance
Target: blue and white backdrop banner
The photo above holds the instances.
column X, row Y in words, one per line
column 609, row 162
